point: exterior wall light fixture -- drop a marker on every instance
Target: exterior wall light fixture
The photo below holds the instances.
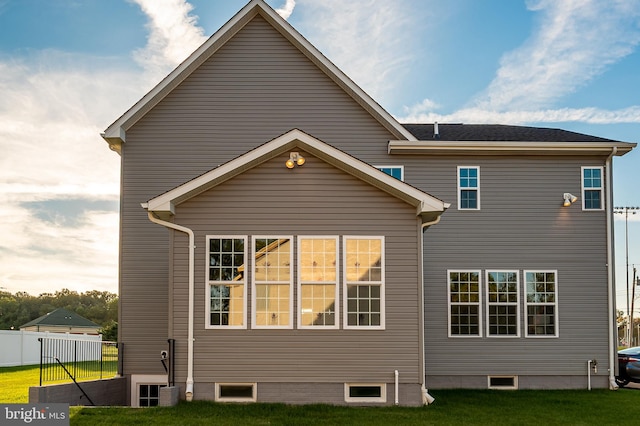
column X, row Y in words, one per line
column 569, row 199
column 294, row 158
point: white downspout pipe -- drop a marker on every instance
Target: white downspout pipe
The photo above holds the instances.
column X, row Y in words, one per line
column 397, row 379
column 192, row 246
column 426, row 398
column 613, row 330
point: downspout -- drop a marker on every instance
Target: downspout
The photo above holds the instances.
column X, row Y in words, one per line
column 613, row 330
column 192, row 246
column 426, row 398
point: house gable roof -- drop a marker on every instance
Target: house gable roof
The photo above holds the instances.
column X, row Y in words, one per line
column 62, row 317
column 427, row 206
column 115, row 134
column 495, row 139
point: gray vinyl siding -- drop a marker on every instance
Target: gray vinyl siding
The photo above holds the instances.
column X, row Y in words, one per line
column 257, row 87
column 315, row 199
column 521, row 226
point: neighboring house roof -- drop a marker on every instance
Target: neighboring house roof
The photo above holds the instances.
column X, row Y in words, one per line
column 427, row 206
column 62, row 317
column 495, row 139
column 115, row 134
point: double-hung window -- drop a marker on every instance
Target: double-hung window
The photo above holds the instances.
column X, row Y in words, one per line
column 464, row 303
column 541, row 303
column 364, row 282
column 503, row 312
column 592, row 188
column 468, row 188
column 272, row 282
column 227, row 290
column 317, row 282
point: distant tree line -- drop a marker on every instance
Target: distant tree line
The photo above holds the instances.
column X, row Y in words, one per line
column 100, row 307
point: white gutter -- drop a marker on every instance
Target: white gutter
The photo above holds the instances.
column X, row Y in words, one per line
column 613, row 331
column 426, row 398
column 192, row 246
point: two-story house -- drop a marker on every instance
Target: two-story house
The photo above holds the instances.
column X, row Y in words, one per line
column 284, row 238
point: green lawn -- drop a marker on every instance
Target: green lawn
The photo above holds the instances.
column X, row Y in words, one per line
column 452, row 407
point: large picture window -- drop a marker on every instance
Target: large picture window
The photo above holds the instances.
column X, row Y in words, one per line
column 227, row 285
column 464, row 303
column 364, row 282
column 318, row 282
column 502, row 303
column 541, row 303
column 592, row 188
column 272, row 278
column 468, row 188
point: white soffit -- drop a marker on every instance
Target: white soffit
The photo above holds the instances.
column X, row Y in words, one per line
column 507, row 147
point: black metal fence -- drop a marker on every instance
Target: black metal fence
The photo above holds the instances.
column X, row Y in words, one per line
column 64, row 360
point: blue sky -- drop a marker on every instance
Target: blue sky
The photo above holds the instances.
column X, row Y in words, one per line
column 68, row 68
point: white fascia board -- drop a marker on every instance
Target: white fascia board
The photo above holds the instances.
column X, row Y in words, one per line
column 217, row 40
column 297, row 139
column 507, row 147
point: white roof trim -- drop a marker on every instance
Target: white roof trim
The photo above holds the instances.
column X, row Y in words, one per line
column 116, row 132
column 507, row 147
column 425, row 204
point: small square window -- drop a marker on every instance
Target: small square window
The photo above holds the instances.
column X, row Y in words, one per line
column 365, row 392
column 236, row 392
column 503, row 382
column 393, row 171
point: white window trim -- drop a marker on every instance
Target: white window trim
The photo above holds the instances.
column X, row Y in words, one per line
column 516, row 304
column 144, row 379
column 207, row 289
column 300, row 283
column 253, row 398
column 253, row 282
column 345, row 284
column 393, row 167
column 381, row 399
column 600, row 188
column 477, row 188
column 527, row 304
column 480, row 306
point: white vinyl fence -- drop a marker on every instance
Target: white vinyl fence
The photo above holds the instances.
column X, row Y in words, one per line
column 23, row 347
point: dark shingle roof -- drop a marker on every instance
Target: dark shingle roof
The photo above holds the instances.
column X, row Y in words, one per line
column 62, row 317
column 498, row 132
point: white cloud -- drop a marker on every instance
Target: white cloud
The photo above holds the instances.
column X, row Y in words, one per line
column 420, row 114
column 173, row 35
column 367, row 39
column 52, row 109
column 573, row 42
column 286, row 10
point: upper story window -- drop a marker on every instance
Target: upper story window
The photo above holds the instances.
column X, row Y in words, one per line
column 592, row 188
column 468, row 188
column 503, row 314
column 394, row 171
column 317, row 282
column 464, row 303
column 272, row 282
column 541, row 304
column 364, row 282
column 226, row 278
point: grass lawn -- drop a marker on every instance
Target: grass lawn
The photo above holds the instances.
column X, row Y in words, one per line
column 452, row 407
